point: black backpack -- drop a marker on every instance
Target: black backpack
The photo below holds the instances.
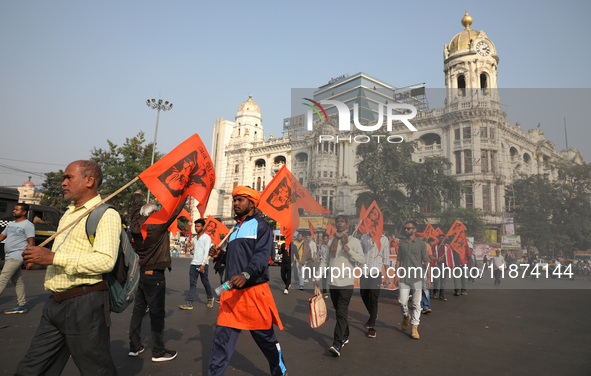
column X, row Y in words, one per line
column 124, row 278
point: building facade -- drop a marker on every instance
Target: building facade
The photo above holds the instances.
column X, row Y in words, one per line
column 486, row 152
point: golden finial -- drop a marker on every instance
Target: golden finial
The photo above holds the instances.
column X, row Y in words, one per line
column 466, row 20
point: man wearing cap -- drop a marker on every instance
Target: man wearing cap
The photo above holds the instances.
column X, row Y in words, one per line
column 249, row 305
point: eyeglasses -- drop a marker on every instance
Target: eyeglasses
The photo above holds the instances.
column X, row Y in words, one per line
column 409, row 228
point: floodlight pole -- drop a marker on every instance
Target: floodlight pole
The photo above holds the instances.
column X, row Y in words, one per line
column 160, row 106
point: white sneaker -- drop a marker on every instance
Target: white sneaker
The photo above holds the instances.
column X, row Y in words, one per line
column 168, row 355
column 286, row 291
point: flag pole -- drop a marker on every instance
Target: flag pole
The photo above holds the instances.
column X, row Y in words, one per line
column 222, row 242
column 88, row 212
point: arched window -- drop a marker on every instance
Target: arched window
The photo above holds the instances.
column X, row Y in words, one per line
column 279, row 160
column 461, row 86
column 513, row 152
column 526, row 158
column 431, row 138
column 484, row 84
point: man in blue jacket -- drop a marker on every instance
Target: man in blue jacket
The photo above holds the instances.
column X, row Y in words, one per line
column 247, row 268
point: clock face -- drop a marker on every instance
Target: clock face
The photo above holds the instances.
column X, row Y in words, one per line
column 483, row 48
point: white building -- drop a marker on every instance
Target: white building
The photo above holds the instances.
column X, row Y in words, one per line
column 487, row 153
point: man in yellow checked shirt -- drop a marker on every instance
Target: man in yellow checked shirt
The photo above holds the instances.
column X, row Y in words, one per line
column 249, row 305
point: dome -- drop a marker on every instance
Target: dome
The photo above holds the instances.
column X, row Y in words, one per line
column 462, row 40
column 28, row 184
column 249, row 105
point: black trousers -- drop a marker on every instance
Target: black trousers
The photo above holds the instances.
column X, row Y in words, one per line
column 74, row 327
column 341, row 297
column 370, row 293
column 286, row 274
column 224, row 342
column 151, row 293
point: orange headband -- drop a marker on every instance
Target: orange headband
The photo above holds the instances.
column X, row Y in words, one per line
column 249, row 193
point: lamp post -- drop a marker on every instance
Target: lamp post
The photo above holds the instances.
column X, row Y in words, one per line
column 160, row 106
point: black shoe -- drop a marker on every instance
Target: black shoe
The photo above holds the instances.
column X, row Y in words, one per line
column 168, row 355
column 456, row 293
column 335, row 350
column 371, row 333
column 136, row 352
column 345, row 341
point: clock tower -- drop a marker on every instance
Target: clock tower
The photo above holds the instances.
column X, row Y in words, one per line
column 470, row 65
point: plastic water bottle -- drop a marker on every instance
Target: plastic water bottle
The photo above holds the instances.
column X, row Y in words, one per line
column 223, row 288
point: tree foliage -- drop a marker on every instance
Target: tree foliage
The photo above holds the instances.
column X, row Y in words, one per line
column 53, row 194
column 120, row 165
column 555, row 214
column 470, row 217
column 402, row 188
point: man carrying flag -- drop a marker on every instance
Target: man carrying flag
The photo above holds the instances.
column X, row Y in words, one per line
column 249, row 305
column 154, row 253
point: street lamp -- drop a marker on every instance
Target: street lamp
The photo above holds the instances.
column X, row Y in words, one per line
column 157, row 105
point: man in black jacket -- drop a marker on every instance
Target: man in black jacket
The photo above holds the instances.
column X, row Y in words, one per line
column 154, row 253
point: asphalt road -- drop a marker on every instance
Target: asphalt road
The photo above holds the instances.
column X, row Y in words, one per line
column 491, row 331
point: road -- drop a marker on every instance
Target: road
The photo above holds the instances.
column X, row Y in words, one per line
column 491, row 331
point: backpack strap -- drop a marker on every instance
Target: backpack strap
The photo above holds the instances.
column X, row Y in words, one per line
column 93, row 220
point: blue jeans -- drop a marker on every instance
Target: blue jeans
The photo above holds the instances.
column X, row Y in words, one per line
column 194, row 275
column 151, row 293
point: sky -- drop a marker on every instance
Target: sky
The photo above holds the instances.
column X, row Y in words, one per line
column 74, row 74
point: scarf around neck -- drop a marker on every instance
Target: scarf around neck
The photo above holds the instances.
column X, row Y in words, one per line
column 342, row 236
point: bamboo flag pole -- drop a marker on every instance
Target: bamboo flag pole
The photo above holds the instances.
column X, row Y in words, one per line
column 222, row 242
column 88, row 212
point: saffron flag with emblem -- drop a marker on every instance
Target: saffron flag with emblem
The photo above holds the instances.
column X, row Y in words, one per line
column 282, row 198
column 455, row 229
column 312, row 230
column 360, row 222
column 330, row 230
column 216, row 230
column 460, row 245
column 438, row 232
column 429, row 232
column 186, row 170
column 174, row 228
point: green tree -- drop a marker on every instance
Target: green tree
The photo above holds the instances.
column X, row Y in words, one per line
column 403, row 188
column 120, row 165
column 555, row 214
column 470, row 217
column 53, row 194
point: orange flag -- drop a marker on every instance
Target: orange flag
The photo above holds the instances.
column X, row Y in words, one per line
column 174, row 228
column 429, row 232
column 331, row 230
column 186, row 170
column 460, row 245
column 282, row 198
column 374, row 223
column 456, row 228
column 438, row 232
column 312, row 230
column 215, row 229
column 360, row 222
